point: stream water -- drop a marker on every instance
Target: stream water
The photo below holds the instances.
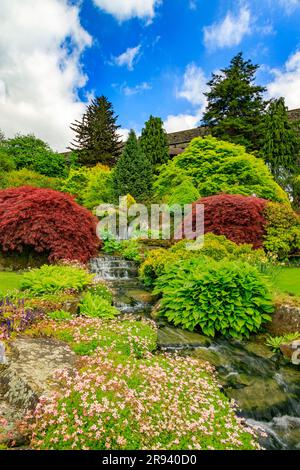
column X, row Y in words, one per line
column 265, row 387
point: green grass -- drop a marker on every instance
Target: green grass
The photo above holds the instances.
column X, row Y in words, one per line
column 288, row 280
column 9, row 281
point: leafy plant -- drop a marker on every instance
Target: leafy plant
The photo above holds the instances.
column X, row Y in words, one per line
column 54, row 279
column 216, row 247
column 95, row 306
column 274, row 342
column 111, row 246
column 230, row 298
column 60, row 315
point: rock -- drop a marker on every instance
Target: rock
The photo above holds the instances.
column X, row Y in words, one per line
column 154, row 314
column 71, row 305
column 209, row 355
column 262, row 397
column 26, row 376
column 291, row 351
column 170, row 338
column 258, row 349
column 286, row 319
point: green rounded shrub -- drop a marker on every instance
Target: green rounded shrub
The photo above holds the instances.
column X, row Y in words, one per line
column 50, row 279
column 95, row 306
column 226, row 297
column 282, row 230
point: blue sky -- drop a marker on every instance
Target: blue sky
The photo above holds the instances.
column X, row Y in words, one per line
column 146, row 56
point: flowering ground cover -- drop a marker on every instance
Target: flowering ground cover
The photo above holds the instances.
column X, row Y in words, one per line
column 124, row 396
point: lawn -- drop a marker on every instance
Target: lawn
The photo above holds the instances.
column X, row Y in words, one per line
column 288, row 280
column 9, row 281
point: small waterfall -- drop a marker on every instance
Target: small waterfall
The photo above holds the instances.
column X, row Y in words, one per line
column 130, row 296
column 113, row 268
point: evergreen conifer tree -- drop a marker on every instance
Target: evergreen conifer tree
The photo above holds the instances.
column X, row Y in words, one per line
column 133, row 173
column 281, row 143
column 97, row 139
column 235, row 109
column 154, row 141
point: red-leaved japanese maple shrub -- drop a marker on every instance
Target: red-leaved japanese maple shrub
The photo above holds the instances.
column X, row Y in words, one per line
column 239, row 218
column 46, row 221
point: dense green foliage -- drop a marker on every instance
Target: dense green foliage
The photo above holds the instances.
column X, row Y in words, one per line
column 96, row 135
column 214, row 167
column 76, row 182
column 133, row 172
column 184, row 193
column 6, row 161
column 230, row 298
column 235, row 109
column 90, row 186
column 95, row 306
column 282, row 230
column 55, row 278
column 214, row 246
column 99, row 187
column 26, row 177
column 281, row 143
column 154, row 141
column 30, row 152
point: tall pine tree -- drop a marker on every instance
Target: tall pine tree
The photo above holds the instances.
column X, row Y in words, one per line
column 281, row 144
column 154, row 141
column 133, row 173
column 235, row 106
column 97, row 139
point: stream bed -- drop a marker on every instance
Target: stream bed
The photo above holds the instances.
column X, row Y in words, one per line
column 264, row 385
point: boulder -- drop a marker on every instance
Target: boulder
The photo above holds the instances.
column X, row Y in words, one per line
column 26, row 375
column 285, row 319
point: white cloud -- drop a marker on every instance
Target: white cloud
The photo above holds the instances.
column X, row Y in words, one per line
column 128, row 58
column 126, row 9
column 228, row 32
column 192, row 89
column 194, row 85
column 289, row 5
column 40, row 48
column 123, row 133
column 129, row 91
column 181, row 122
column 286, row 82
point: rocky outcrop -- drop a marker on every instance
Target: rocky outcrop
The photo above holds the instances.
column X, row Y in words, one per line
column 26, row 375
column 285, row 319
